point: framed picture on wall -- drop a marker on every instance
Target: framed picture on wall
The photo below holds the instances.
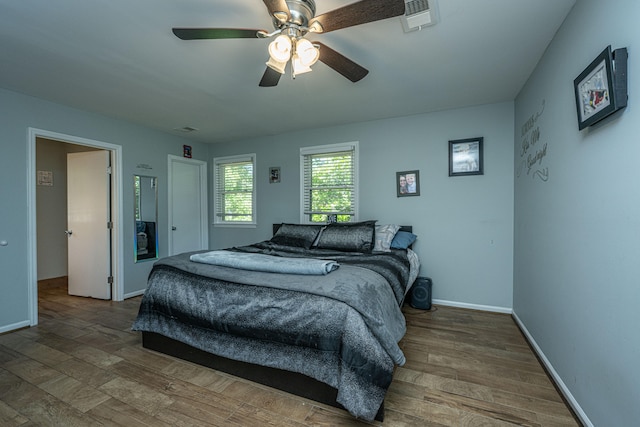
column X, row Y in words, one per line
column 465, row 157
column 408, row 183
column 186, row 151
column 601, row 89
column 274, row 175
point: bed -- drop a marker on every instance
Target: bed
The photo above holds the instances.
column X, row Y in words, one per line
column 324, row 325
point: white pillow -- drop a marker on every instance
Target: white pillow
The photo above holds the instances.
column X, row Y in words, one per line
column 384, row 236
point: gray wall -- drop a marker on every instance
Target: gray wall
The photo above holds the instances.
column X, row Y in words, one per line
column 577, row 247
column 464, row 224
column 51, row 204
column 575, row 227
column 140, row 145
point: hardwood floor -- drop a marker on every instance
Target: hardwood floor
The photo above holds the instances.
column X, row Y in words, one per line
column 82, row 365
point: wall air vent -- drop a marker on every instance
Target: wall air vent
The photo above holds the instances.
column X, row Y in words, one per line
column 418, row 14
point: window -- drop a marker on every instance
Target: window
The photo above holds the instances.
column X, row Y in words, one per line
column 235, row 190
column 329, row 183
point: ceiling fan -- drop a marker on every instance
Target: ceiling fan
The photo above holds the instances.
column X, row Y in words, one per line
column 292, row 20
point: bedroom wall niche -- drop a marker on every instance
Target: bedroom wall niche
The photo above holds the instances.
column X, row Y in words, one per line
column 145, row 241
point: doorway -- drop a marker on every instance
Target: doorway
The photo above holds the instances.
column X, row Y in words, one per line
column 115, row 152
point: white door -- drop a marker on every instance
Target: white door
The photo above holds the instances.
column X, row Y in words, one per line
column 188, row 229
column 88, row 216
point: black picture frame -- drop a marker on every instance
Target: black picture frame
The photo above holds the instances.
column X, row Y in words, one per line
column 274, row 175
column 186, row 151
column 408, row 183
column 601, row 88
column 466, row 157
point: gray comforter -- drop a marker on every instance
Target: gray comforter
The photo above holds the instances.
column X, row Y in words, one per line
column 341, row 328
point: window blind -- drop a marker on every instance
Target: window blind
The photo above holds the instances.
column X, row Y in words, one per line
column 234, row 189
column 329, row 183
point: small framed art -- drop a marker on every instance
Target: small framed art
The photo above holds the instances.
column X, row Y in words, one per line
column 186, row 151
column 274, row 175
column 465, row 157
column 601, row 89
column 45, row 178
column 408, row 183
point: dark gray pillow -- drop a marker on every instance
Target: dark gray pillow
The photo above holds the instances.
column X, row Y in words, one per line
column 348, row 237
column 298, row 235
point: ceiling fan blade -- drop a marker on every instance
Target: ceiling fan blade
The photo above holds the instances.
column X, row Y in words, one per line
column 341, row 63
column 215, row 33
column 278, row 9
column 270, row 78
column 357, row 13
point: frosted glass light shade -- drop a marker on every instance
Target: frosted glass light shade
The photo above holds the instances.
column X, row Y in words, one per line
column 306, row 52
column 280, row 48
column 298, row 66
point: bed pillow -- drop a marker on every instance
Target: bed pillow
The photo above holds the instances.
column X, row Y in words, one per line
column 298, row 235
column 403, row 239
column 384, row 237
column 348, row 237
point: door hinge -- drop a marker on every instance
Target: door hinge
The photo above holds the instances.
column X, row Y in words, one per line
column 110, row 225
column 110, row 280
column 109, row 170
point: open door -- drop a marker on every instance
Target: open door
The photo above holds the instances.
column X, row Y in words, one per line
column 89, row 224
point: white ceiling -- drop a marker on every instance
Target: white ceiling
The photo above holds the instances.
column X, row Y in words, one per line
column 119, row 58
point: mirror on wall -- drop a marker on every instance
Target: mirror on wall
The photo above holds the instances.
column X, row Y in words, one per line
column 146, row 217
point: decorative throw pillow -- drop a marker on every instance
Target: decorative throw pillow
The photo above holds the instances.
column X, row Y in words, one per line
column 384, row 236
column 403, row 239
column 297, row 235
column 348, row 237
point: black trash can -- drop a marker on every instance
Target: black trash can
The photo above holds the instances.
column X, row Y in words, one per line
column 421, row 293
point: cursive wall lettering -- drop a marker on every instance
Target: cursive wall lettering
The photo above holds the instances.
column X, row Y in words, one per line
column 532, row 153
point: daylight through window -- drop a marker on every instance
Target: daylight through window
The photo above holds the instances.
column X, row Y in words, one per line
column 329, row 190
column 235, row 189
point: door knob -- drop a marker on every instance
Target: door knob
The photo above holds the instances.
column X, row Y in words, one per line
column 68, row 232
column 173, row 228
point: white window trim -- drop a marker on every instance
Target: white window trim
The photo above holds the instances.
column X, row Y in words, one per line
column 217, row 222
column 331, row 148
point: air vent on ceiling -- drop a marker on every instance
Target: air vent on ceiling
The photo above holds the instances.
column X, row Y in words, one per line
column 418, row 14
column 186, row 129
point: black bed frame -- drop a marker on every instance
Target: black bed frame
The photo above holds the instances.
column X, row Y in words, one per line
column 291, row 382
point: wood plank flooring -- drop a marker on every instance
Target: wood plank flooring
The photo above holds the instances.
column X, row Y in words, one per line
column 83, row 366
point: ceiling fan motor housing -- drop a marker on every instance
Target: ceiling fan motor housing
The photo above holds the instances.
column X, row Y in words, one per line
column 301, row 11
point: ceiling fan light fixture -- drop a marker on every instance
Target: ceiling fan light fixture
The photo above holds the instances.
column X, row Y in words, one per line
column 298, row 67
column 280, row 48
column 306, row 52
column 293, row 19
column 278, row 66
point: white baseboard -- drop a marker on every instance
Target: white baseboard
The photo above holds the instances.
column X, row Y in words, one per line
column 491, row 308
column 556, row 378
column 134, row 294
column 14, row 326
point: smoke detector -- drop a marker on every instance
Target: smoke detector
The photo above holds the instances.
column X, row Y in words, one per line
column 418, row 14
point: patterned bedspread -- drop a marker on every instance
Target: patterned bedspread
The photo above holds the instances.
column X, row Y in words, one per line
column 341, row 328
